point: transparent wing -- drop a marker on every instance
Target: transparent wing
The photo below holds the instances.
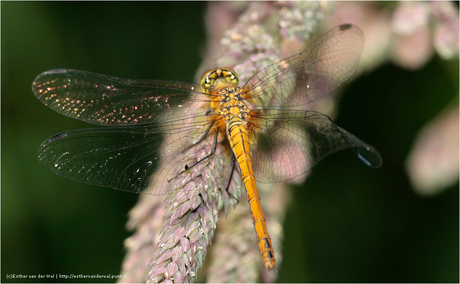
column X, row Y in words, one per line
column 310, row 75
column 290, row 142
column 140, row 159
column 106, row 100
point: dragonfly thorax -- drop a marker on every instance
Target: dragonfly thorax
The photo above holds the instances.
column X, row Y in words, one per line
column 230, row 103
column 227, row 98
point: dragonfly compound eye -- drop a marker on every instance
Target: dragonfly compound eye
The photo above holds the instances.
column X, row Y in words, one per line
column 216, row 77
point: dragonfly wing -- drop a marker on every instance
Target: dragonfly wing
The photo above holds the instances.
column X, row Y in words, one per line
column 106, row 100
column 123, row 158
column 290, row 142
column 310, row 75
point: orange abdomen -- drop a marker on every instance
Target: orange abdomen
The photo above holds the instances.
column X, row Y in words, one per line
column 238, row 137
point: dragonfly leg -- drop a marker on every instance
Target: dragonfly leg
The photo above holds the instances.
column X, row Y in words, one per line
column 230, row 180
column 201, row 138
column 187, row 167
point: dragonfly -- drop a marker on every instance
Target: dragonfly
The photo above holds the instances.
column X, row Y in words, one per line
column 252, row 121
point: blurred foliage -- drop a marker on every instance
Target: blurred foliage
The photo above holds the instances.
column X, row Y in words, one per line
column 348, row 223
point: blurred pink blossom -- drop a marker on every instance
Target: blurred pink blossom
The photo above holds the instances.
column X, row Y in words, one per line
column 421, row 27
column 414, row 50
column 433, row 163
column 408, row 17
column 446, row 37
column 408, row 34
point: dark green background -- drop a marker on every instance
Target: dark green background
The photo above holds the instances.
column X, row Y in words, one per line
column 348, row 223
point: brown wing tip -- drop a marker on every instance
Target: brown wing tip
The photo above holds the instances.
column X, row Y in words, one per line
column 345, row 27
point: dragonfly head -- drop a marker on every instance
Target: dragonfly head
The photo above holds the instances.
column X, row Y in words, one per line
column 216, row 77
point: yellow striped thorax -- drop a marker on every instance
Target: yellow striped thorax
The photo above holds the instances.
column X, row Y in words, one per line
column 228, row 99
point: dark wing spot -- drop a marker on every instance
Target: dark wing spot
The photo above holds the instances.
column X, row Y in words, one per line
column 345, row 27
column 57, row 137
